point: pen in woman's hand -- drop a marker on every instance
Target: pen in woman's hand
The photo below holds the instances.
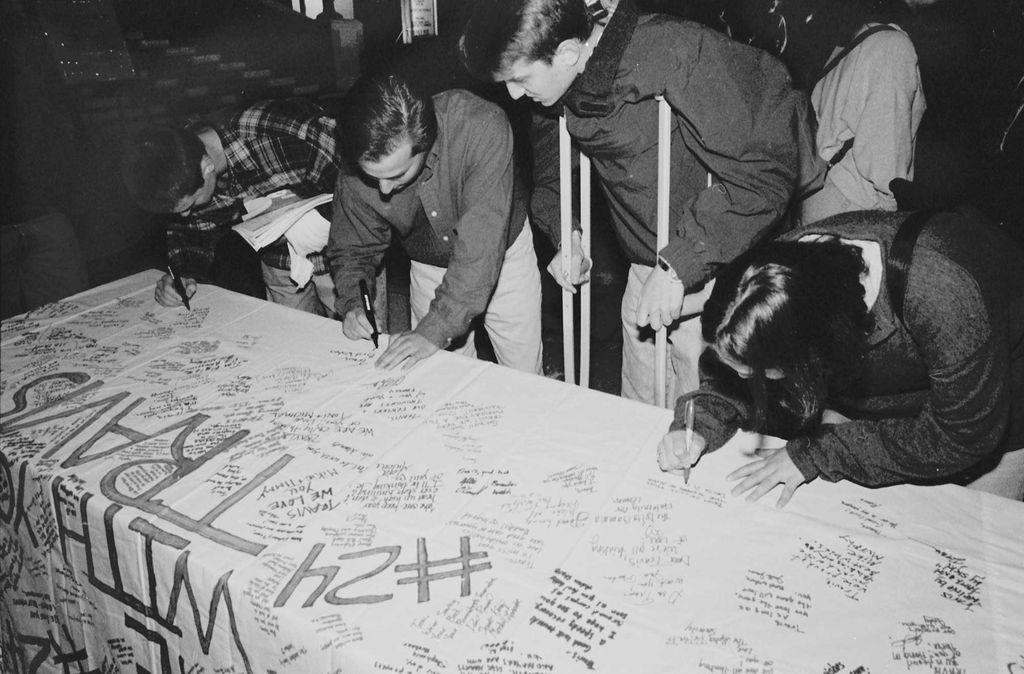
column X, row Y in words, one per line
column 688, row 414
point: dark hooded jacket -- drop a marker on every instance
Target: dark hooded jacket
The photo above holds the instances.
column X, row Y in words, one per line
column 735, row 115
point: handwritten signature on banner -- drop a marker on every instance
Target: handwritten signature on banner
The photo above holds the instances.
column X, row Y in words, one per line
column 207, row 508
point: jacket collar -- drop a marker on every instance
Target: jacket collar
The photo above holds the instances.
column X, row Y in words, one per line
column 587, row 97
column 885, row 323
column 434, row 153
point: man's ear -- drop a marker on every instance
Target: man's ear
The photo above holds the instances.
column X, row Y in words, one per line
column 568, row 52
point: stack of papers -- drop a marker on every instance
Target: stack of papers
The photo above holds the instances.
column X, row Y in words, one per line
column 274, row 215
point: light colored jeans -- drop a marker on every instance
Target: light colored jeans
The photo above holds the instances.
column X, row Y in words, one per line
column 316, row 297
column 512, row 318
column 638, row 352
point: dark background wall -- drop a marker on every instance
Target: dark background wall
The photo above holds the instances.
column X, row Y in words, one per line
column 62, row 128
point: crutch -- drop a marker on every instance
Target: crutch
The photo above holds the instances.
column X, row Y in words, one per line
column 585, row 288
column 565, row 195
column 664, row 162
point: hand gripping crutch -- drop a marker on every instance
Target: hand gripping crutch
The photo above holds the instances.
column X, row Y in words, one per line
column 664, row 162
column 565, row 195
column 565, row 192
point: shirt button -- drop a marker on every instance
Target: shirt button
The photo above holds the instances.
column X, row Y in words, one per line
column 433, row 214
column 444, row 238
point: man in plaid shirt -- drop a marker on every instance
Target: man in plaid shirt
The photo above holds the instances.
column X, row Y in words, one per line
column 202, row 173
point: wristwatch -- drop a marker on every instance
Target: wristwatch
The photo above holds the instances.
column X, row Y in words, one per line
column 665, row 266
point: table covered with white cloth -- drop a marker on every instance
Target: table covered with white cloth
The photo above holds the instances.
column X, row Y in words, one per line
column 236, row 488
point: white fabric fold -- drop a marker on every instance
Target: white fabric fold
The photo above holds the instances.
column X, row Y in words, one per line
column 307, row 236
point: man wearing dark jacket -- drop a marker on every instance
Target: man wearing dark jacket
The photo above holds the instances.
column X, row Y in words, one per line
column 740, row 133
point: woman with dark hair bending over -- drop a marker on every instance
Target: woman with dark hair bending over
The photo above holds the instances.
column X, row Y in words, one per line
column 806, row 343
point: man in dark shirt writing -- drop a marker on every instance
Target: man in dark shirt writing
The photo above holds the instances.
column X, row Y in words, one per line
column 738, row 145
column 438, row 173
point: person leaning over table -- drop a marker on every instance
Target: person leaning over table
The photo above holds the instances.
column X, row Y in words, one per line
column 199, row 172
column 805, row 344
column 740, row 137
column 438, row 173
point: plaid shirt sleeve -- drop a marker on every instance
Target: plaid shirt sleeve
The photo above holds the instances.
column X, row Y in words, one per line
column 192, row 241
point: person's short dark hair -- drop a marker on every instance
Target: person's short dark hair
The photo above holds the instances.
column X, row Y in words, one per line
column 797, row 307
column 382, row 112
column 161, row 165
column 499, row 33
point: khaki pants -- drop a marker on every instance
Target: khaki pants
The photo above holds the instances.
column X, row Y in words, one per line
column 638, row 352
column 512, row 318
column 318, row 296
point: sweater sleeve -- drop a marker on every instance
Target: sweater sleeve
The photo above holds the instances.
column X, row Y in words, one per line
column 721, row 404
column 358, row 238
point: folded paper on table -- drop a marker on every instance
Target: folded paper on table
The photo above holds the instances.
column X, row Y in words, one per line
column 267, row 227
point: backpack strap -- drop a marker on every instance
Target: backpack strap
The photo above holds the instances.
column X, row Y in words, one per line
column 850, row 47
column 901, row 254
column 838, row 156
